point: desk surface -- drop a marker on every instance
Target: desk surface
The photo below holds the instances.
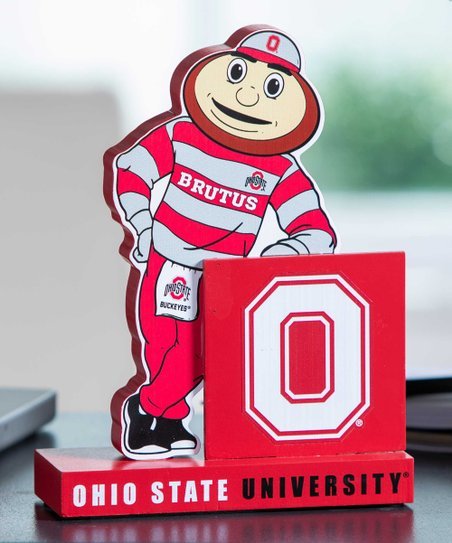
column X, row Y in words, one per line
column 23, row 517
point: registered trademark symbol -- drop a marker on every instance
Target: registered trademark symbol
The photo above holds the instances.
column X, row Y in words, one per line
column 359, row 423
column 406, row 474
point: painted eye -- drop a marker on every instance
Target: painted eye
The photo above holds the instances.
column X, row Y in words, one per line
column 236, row 70
column 273, row 85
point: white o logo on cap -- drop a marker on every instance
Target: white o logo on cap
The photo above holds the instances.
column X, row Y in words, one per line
column 273, row 43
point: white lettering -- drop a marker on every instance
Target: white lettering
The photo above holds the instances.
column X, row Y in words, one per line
column 174, row 490
column 129, row 494
column 79, row 495
column 98, row 495
column 114, row 494
column 157, row 494
column 206, row 484
column 198, row 186
column 101, row 494
column 220, row 195
column 222, row 490
column 237, row 196
column 210, row 192
column 190, row 492
column 224, row 194
column 251, row 203
column 185, row 179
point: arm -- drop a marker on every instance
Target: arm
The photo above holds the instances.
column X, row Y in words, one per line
column 300, row 215
column 138, row 169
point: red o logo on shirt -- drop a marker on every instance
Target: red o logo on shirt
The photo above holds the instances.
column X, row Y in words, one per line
column 178, row 289
column 179, row 283
column 257, row 179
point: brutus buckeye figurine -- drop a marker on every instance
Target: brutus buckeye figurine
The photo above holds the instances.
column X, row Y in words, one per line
column 239, row 110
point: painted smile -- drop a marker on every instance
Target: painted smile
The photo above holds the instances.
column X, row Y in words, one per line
column 237, row 115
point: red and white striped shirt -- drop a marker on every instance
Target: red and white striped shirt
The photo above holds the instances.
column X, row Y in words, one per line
column 216, row 198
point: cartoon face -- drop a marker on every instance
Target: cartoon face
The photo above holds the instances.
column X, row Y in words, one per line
column 248, row 98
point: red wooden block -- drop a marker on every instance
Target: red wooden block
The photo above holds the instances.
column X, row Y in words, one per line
column 304, row 355
column 97, row 482
column 332, row 335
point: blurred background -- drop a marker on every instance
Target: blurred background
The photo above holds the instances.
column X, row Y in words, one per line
column 77, row 76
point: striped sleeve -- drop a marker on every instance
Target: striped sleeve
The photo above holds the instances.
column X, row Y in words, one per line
column 300, row 215
column 144, row 164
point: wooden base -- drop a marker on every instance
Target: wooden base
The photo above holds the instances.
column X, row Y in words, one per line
column 98, row 482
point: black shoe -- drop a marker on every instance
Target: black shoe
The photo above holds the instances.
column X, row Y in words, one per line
column 140, row 436
column 176, row 436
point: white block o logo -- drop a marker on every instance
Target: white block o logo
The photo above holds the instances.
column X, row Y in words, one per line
column 307, row 373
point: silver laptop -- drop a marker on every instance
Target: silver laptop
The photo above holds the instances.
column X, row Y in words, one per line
column 22, row 412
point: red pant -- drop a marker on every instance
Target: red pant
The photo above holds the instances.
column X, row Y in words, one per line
column 172, row 352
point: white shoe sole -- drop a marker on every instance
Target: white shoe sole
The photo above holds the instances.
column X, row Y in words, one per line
column 183, row 444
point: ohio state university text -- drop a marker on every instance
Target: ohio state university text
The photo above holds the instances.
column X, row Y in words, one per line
column 250, row 488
